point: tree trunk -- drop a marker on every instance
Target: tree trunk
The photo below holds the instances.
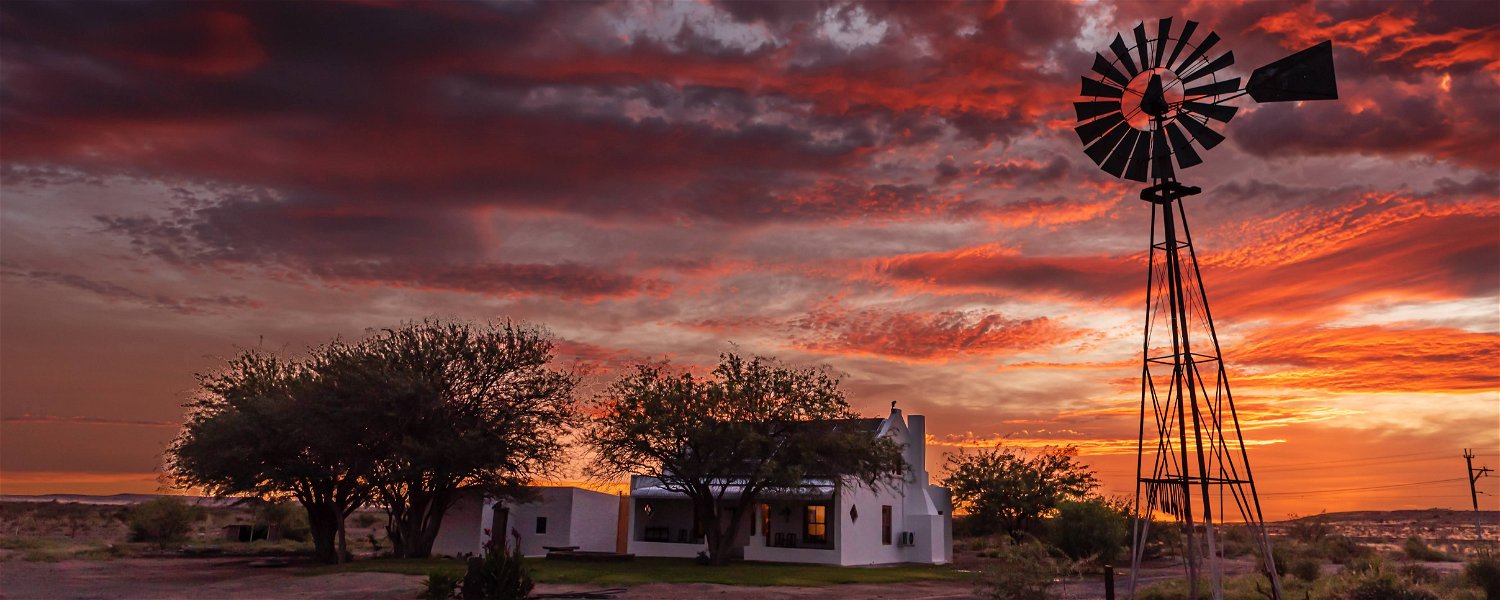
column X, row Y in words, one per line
column 414, row 527
column 343, row 540
column 323, row 526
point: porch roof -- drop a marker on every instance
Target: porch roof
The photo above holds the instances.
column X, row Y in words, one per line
column 810, row 489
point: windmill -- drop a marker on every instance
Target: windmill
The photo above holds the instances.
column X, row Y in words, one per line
column 1145, row 113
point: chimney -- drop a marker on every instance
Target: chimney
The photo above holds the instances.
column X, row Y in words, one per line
column 916, row 453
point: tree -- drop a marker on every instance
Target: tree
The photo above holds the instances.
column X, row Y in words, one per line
column 267, row 428
column 1091, row 528
column 456, row 406
column 161, row 520
column 751, row 426
column 1004, row 490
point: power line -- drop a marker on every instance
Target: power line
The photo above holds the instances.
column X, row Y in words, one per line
column 1361, row 489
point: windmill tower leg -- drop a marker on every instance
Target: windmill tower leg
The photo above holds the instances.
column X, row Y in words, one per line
column 1184, row 384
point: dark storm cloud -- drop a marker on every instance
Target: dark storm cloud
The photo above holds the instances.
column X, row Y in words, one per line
column 113, row 292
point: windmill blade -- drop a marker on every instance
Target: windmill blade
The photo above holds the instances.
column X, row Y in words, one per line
column 1187, row 33
column 1182, row 147
column 1099, row 89
column 1103, row 67
column 1090, row 131
column 1140, row 158
column 1115, row 164
column 1306, row 75
column 1161, row 155
column 1089, row 110
column 1208, row 43
column 1141, row 49
column 1201, row 132
column 1163, row 31
column 1123, row 53
column 1100, row 150
column 1217, row 112
column 1228, row 86
column 1213, row 67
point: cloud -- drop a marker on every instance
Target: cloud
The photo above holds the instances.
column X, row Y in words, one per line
column 191, row 305
column 27, row 419
column 996, row 268
column 945, row 335
column 1368, row 359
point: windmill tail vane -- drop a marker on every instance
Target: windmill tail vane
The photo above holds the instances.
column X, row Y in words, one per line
column 1147, row 109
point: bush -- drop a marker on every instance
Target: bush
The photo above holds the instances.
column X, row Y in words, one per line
column 440, row 585
column 1088, row 530
column 1484, row 571
column 499, row 575
column 289, row 519
column 163, row 520
column 1309, row 530
column 1305, row 568
column 1162, row 538
column 1020, row 571
column 1416, row 549
column 1387, row 587
column 1343, row 550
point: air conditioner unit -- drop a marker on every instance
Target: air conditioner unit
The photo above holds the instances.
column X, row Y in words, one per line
column 907, row 538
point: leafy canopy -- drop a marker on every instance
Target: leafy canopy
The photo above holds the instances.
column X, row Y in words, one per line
column 1006, row 490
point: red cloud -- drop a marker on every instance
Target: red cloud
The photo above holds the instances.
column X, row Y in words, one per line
column 994, row 268
column 925, row 336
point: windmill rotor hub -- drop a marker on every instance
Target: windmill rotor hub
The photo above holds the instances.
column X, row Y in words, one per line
column 1152, row 94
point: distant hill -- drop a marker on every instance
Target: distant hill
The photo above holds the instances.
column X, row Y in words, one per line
column 113, row 499
column 1431, row 515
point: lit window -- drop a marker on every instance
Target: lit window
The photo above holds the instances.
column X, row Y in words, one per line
column 815, row 524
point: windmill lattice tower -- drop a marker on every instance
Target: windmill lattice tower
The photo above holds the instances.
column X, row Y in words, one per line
column 1145, row 111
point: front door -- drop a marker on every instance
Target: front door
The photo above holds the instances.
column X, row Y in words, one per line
column 499, row 529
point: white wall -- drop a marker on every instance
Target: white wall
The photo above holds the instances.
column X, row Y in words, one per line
column 556, row 505
column 596, row 519
column 859, row 540
column 462, row 530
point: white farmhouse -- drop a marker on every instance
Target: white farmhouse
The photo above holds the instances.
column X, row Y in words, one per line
column 829, row 521
column 559, row 517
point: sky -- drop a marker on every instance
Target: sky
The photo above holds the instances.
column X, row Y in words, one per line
column 890, row 189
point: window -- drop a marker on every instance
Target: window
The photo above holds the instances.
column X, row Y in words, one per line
column 885, row 525
column 815, row 524
column 541, row 524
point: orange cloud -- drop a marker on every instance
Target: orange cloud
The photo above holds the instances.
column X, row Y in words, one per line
column 1368, row 359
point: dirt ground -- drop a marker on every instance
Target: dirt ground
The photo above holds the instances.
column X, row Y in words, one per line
column 237, row 578
column 171, row 578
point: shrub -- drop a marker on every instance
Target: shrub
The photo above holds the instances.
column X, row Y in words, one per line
column 1088, row 530
column 1020, row 571
column 1416, row 549
column 1371, row 563
column 1484, row 571
column 1305, row 568
column 1309, row 530
column 290, row 519
column 162, row 521
column 365, row 519
column 440, row 585
column 1387, row 587
column 499, row 575
column 1343, row 550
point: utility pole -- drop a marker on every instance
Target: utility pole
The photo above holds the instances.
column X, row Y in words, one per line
column 1474, row 475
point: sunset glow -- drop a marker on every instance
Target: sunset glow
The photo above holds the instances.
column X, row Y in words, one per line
column 892, row 190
